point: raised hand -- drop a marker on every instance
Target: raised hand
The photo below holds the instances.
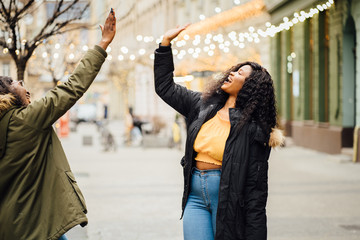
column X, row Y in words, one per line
column 108, row 30
column 172, row 33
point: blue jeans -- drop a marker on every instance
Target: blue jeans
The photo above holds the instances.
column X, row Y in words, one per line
column 63, row 237
column 199, row 220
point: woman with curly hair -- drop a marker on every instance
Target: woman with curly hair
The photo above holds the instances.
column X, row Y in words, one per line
column 230, row 132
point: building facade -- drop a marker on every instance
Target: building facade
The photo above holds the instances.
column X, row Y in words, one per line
column 315, row 67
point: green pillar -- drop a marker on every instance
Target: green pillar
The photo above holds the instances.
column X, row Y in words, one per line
column 323, row 67
column 289, row 84
column 308, row 69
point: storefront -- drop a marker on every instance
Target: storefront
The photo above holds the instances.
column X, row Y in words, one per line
column 314, row 67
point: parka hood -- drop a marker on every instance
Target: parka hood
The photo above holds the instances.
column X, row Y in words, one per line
column 6, row 102
column 277, row 138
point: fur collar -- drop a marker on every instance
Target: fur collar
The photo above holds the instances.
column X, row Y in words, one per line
column 277, row 138
column 6, row 102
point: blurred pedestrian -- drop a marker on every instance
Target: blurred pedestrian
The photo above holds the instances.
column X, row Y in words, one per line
column 176, row 132
column 39, row 197
column 133, row 130
column 106, row 137
column 230, row 131
column 129, row 125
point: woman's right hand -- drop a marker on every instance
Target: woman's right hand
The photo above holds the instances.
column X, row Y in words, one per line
column 108, row 30
column 171, row 34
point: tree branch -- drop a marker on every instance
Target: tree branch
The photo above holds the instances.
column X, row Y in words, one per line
column 11, row 14
column 23, row 10
column 14, row 36
column 3, row 8
column 40, row 36
column 11, row 2
column 3, row 43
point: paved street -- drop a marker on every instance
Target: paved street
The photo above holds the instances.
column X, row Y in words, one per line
column 135, row 193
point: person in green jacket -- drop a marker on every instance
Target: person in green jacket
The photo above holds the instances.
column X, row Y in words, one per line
column 39, row 196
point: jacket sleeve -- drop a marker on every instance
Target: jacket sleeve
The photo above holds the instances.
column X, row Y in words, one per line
column 44, row 112
column 256, row 188
column 178, row 97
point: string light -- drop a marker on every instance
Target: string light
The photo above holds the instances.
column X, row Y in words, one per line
column 125, row 50
column 142, row 51
column 200, row 33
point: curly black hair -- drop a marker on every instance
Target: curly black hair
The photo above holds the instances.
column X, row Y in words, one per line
column 256, row 98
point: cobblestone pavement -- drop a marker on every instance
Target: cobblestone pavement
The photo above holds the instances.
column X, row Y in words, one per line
column 135, row 192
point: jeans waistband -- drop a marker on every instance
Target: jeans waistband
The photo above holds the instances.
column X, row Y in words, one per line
column 194, row 170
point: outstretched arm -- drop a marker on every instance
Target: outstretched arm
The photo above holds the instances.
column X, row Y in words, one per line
column 43, row 113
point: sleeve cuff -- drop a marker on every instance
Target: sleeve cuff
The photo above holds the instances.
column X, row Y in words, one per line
column 163, row 49
column 101, row 50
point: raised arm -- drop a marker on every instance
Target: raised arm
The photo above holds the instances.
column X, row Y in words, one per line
column 44, row 112
column 177, row 96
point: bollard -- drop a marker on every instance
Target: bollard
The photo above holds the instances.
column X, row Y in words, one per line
column 356, row 156
column 87, row 140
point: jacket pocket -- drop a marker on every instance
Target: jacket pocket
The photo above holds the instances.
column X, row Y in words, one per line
column 76, row 189
column 262, row 175
column 182, row 161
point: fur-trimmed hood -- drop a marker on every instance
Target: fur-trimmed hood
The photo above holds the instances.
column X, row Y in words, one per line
column 6, row 102
column 277, row 138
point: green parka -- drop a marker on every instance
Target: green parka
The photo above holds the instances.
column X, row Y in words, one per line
column 39, row 197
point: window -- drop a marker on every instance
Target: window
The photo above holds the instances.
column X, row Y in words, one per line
column 74, row 11
column 6, row 69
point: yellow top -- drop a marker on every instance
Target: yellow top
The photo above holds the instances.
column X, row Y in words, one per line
column 211, row 139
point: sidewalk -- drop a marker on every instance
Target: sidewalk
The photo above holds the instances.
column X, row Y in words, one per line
column 313, row 195
column 135, row 193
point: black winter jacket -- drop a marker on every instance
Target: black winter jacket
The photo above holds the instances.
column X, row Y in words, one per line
column 243, row 188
